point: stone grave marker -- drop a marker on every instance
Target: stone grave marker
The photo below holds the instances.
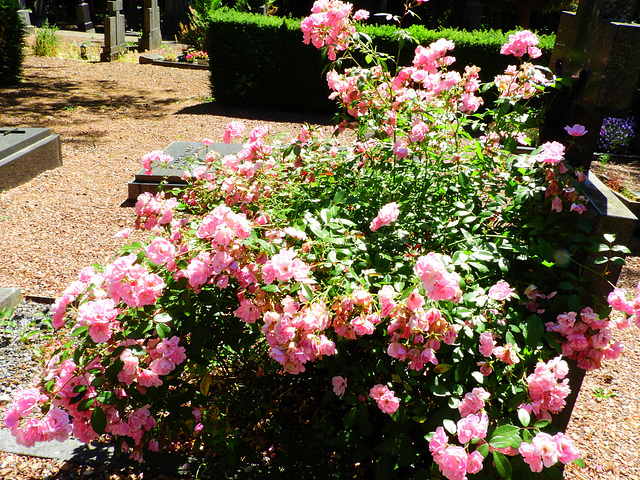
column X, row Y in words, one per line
column 181, row 152
column 84, row 18
column 602, row 55
column 25, row 15
column 174, row 13
column 114, row 41
column 151, row 35
column 25, row 153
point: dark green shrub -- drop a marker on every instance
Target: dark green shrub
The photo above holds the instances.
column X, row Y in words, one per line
column 257, row 60
column 262, row 61
column 11, row 43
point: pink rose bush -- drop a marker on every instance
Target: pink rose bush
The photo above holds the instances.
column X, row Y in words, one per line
column 438, row 272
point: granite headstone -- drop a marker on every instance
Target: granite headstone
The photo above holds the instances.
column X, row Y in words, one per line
column 184, row 154
column 25, row 153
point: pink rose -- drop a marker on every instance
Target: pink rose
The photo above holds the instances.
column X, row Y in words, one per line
column 387, row 214
column 339, row 385
column 576, row 130
column 233, row 130
column 500, row 291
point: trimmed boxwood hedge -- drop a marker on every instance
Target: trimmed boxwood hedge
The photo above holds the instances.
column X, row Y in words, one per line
column 262, row 61
column 11, row 43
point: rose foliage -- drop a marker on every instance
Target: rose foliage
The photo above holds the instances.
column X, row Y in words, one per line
column 405, row 303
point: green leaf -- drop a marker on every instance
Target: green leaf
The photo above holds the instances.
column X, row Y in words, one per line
column 270, row 288
column 339, row 197
column 542, row 423
column 85, row 404
column 98, row 420
column 580, row 462
column 351, row 417
column 79, row 331
column 483, row 449
column 450, row 426
column 163, row 330
column 609, row 237
column 524, row 417
column 503, row 466
column 108, row 398
column 533, row 330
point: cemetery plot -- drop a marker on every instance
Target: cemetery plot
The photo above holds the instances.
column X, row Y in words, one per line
column 25, row 153
column 183, row 154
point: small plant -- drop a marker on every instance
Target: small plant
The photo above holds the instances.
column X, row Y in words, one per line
column 170, row 57
column 616, row 134
column 47, row 42
column 600, row 394
column 6, row 321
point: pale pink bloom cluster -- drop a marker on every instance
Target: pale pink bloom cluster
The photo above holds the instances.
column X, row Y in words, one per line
column 487, row 347
column 385, row 398
column 160, row 360
column 439, row 284
column 29, row 429
column 162, row 252
column 154, row 210
column 523, row 82
column 386, row 215
column 347, row 88
column 552, row 155
column 546, row 450
column 100, row 317
column 587, row 338
column 155, row 158
column 416, row 333
column 473, row 401
column 131, row 282
column 576, row 131
column 521, row 43
column 354, row 316
column 500, row 291
column 87, row 276
column 431, row 81
column 329, row 25
column 296, row 335
column 547, row 389
column 453, row 461
column 234, row 130
column 285, row 266
column 620, row 301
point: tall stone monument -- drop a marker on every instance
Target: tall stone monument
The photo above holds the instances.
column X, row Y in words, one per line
column 602, row 56
column 151, row 36
column 84, row 18
column 114, row 41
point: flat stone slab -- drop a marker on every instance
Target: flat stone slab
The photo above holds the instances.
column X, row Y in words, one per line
column 72, row 450
column 155, row 59
column 182, row 153
column 25, row 153
column 10, row 297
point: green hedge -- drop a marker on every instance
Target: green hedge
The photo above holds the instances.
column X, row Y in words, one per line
column 262, row 61
column 11, row 43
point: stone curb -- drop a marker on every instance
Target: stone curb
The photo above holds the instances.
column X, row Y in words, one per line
column 97, row 454
column 10, row 297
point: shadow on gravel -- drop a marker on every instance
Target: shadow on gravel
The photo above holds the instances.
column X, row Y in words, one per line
column 251, row 113
column 102, row 97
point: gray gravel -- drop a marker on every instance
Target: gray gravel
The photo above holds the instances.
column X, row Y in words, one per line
column 21, row 339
